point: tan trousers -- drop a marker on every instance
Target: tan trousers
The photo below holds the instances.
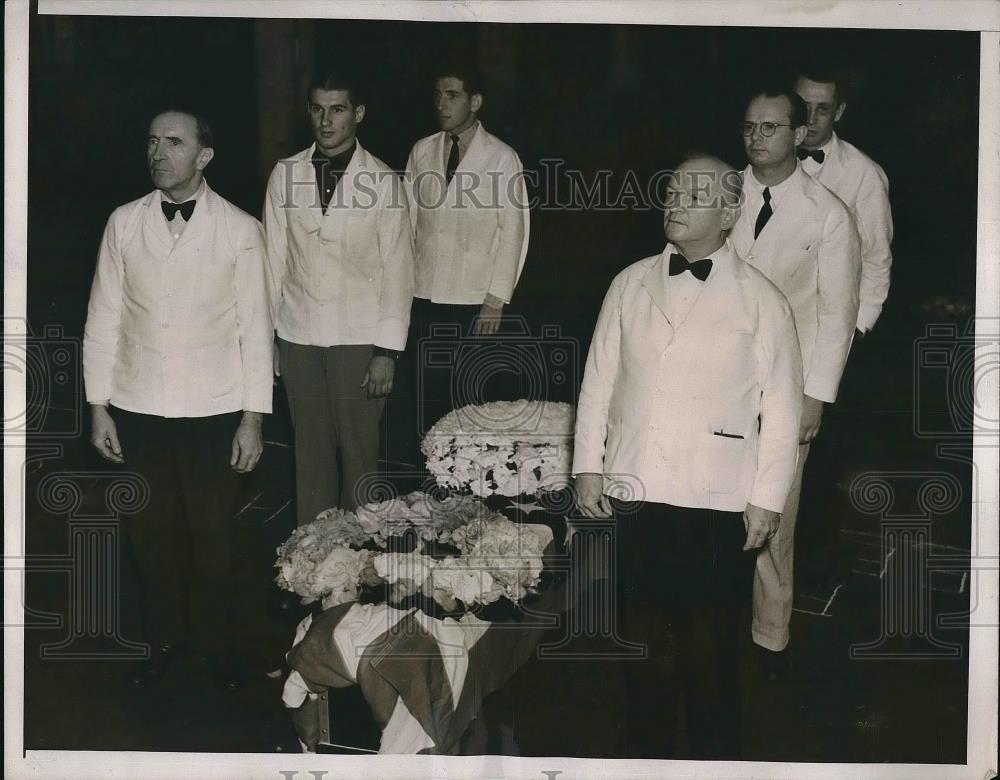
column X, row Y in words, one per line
column 336, row 425
column 772, row 582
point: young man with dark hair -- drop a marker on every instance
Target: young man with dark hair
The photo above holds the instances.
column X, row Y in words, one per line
column 341, row 259
column 469, row 212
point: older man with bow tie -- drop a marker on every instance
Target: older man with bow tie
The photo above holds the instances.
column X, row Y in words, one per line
column 691, row 397
column 177, row 365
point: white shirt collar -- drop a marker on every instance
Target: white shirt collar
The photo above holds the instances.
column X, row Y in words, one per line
column 776, row 190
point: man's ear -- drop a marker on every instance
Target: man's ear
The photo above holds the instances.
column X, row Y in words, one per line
column 730, row 215
column 800, row 134
column 204, row 158
column 840, row 111
column 359, row 113
column 476, row 102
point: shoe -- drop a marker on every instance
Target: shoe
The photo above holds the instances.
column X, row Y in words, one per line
column 226, row 670
column 152, row 669
column 773, row 664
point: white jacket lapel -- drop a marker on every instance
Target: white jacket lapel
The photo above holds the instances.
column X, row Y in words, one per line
column 473, row 159
column 832, row 169
column 155, row 231
column 201, row 219
column 719, row 295
column 785, row 220
column 654, row 282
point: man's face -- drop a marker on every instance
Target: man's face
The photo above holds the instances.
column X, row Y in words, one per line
column 456, row 109
column 175, row 157
column 777, row 150
column 334, row 120
column 824, row 110
column 695, row 208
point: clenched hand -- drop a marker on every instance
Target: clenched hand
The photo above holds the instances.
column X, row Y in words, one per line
column 378, row 377
column 761, row 525
column 248, row 443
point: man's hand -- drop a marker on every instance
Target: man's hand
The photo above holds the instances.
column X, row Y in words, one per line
column 489, row 317
column 590, row 498
column 761, row 525
column 378, row 377
column 277, row 363
column 248, row 443
column 812, row 413
column 104, row 434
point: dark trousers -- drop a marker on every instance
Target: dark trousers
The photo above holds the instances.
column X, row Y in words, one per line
column 437, row 332
column 447, row 367
column 683, row 583
column 336, row 425
column 184, row 538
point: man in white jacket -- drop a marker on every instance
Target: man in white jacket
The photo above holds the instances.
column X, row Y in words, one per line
column 469, row 210
column 690, row 403
column 341, row 260
column 856, row 179
column 177, row 365
column 801, row 237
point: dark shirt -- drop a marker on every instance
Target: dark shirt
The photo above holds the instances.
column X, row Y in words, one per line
column 329, row 170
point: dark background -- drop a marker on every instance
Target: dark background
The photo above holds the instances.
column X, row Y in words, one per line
column 625, row 98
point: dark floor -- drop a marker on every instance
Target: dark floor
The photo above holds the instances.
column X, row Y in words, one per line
column 900, row 707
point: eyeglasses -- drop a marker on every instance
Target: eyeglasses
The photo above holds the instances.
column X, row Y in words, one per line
column 767, row 129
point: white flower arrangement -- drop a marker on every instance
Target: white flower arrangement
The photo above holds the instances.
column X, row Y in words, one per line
column 317, row 563
column 507, row 448
column 327, row 559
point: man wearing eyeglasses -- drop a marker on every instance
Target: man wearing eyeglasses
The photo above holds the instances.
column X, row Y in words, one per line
column 854, row 178
column 802, row 237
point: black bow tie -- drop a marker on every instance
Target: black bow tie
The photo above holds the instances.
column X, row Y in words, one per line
column 170, row 209
column 817, row 154
column 699, row 269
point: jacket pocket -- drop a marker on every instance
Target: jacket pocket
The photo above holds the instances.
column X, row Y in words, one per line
column 220, row 369
column 129, row 360
column 725, row 464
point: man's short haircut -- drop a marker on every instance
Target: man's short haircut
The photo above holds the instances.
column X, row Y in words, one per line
column 330, row 81
column 203, row 128
column 776, row 89
column 466, row 72
column 826, row 73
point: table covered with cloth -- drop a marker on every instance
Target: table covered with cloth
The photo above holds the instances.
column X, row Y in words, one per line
column 423, row 677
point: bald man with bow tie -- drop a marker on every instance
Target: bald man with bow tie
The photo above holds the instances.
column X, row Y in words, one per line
column 690, row 402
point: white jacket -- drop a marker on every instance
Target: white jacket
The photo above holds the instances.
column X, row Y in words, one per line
column 346, row 276
column 472, row 234
column 180, row 330
column 657, row 395
column 860, row 182
column 810, row 250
